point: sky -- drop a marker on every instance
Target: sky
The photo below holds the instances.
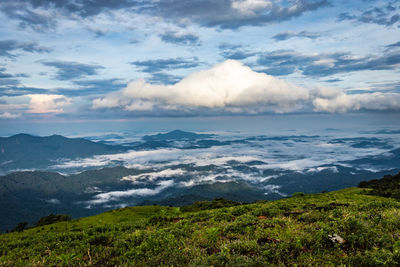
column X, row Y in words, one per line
column 119, row 60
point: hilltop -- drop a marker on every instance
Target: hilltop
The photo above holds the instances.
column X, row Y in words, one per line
column 342, row 227
column 176, row 135
column 388, row 186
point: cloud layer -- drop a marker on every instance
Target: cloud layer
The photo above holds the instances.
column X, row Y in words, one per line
column 87, row 52
column 222, row 13
column 259, row 160
column 234, row 87
column 48, row 103
column 284, row 62
column 303, row 34
column 117, row 195
column 8, row 115
column 232, row 14
column 72, row 70
column 9, row 46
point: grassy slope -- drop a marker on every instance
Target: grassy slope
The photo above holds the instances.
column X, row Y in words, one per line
column 284, row 232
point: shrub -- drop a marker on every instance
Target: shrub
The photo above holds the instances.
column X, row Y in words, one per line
column 223, row 215
column 212, row 235
column 20, row 227
column 53, row 219
column 237, row 211
column 298, row 194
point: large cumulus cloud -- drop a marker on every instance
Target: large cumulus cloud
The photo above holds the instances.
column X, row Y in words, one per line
column 233, row 87
column 226, row 85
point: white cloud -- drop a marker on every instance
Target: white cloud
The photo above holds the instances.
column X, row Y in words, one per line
column 41, row 103
column 117, row 195
column 151, row 176
column 327, row 62
column 110, row 101
column 333, row 169
column 8, row 115
column 140, row 105
column 273, row 189
column 269, row 155
column 249, row 7
column 236, row 88
column 53, row 201
column 354, row 102
column 130, row 158
column 228, row 84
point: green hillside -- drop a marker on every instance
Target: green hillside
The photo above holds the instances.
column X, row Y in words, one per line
column 343, row 227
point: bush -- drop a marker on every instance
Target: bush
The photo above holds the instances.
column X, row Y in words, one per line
column 237, row 211
column 223, row 215
column 20, row 227
column 212, row 235
column 53, row 219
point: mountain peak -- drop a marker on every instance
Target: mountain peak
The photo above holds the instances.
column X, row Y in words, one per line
column 175, row 135
column 21, row 135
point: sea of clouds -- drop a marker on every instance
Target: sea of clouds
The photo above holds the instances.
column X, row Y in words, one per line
column 256, row 160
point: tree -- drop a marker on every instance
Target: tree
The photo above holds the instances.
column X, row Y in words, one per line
column 20, row 227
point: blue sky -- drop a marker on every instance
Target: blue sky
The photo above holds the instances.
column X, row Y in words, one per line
column 121, row 59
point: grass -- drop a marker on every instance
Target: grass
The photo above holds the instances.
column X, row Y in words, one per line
column 296, row 231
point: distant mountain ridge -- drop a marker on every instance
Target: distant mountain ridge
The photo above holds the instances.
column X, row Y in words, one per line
column 24, row 151
column 176, row 135
column 29, row 152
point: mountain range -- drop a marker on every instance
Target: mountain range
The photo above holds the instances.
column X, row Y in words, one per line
column 29, row 152
column 24, row 151
column 30, row 195
column 176, row 135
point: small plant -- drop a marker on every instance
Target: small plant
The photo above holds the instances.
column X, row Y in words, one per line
column 212, row 235
column 67, row 259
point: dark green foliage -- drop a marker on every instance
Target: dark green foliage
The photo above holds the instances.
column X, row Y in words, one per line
column 53, row 219
column 388, row 186
column 25, row 195
column 30, row 195
column 206, row 205
column 20, row 227
column 298, row 194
